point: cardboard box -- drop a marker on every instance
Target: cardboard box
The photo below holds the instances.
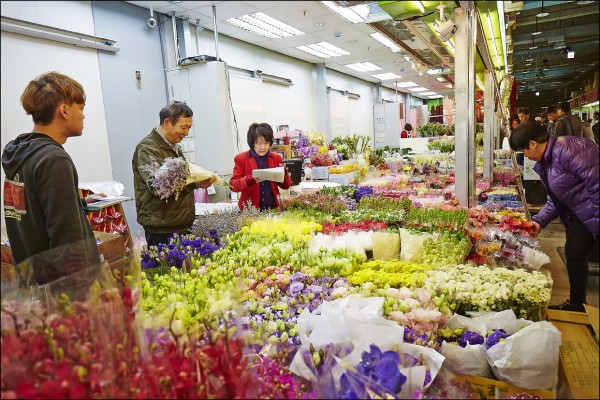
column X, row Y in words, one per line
column 111, row 246
column 342, row 179
column 578, row 366
column 492, row 389
column 320, row 173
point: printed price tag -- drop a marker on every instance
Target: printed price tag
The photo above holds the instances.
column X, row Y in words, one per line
column 211, row 189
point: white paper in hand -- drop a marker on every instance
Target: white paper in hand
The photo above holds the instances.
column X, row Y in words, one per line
column 276, row 174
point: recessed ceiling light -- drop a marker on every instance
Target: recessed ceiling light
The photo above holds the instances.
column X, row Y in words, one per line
column 323, row 50
column 354, row 14
column 387, row 76
column 319, row 24
column 363, row 67
column 263, row 25
column 406, row 84
column 385, row 41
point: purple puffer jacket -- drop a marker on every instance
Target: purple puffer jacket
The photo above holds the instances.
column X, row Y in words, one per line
column 569, row 171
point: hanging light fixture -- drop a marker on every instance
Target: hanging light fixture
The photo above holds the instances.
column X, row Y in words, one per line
column 533, row 46
column 542, row 13
column 536, row 32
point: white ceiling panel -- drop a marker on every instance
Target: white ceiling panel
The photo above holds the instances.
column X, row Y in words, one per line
column 319, row 24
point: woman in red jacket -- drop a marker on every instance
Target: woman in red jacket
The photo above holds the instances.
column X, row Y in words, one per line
column 263, row 194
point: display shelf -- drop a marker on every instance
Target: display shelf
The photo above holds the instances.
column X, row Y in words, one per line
column 108, row 216
column 284, row 149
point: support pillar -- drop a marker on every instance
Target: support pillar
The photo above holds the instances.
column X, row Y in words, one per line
column 465, row 42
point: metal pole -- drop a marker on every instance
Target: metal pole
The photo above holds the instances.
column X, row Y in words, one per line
column 174, row 23
column 488, row 128
column 214, row 9
column 464, row 42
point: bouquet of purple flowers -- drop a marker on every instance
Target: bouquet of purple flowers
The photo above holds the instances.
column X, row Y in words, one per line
column 174, row 174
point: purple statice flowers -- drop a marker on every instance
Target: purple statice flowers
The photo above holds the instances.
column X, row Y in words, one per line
column 494, row 337
column 378, row 372
column 167, row 179
column 179, row 249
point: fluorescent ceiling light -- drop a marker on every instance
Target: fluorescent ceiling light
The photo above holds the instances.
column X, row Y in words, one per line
column 417, row 89
column 406, row 84
column 437, row 96
column 387, row 76
column 385, row 41
column 536, row 33
column 263, row 25
column 428, row 93
column 491, row 26
column 323, row 50
column 434, row 71
column 441, row 79
column 363, row 67
column 449, row 85
column 354, row 14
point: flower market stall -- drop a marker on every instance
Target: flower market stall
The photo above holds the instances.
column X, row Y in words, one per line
column 381, row 289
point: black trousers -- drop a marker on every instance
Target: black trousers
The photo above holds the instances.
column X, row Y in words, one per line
column 154, row 239
column 578, row 247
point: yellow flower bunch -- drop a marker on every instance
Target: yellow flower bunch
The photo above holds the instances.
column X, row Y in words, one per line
column 323, row 149
column 317, row 138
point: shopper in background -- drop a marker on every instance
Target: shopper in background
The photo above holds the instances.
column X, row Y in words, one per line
column 407, row 130
column 262, row 194
column 595, row 128
column 567, row 123
column 586, row 130
column 538, row 120
column 162, row 218
column 552, row 114
column 523, row 114
column 515, row 124
column 568, row 169
column 42, row 204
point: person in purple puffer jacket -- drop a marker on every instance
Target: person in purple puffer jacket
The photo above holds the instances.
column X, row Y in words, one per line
column 568, row 169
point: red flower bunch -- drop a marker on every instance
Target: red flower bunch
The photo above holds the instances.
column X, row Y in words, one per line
column 516, row 226
column 367, row 225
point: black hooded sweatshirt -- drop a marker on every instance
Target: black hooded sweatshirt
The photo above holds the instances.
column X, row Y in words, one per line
column 49, row 233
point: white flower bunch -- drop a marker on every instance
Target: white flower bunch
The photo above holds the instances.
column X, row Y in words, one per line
column 480, row 288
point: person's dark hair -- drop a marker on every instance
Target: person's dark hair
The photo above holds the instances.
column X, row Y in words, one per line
column 530, row 130
column 564, row 105
column 174, row 111
column 256, row 130
column 515, row 119
column 523, row 110
column 46, row 92
column 551, row 109
column 407, row 127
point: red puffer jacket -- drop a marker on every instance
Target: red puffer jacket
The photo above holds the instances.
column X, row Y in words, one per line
column 569, row 171
column 243, row 166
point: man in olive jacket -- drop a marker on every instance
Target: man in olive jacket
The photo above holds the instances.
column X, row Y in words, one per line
column 162, row 218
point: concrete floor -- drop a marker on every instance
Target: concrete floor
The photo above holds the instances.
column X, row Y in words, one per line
column 552, row 237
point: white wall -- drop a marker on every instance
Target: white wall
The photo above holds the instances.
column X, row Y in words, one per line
column 24, row 58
